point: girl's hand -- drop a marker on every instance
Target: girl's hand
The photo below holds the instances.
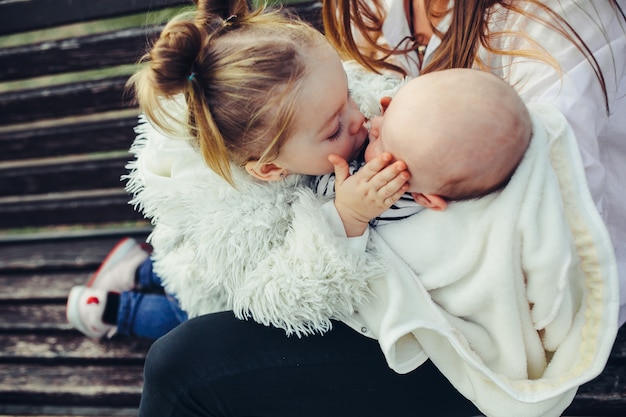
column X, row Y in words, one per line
column 369, row 192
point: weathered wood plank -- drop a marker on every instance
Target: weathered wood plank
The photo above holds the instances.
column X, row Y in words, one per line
column 608, row 406
column 83, row 253
column 62, row 174
column 59, row 410
column 76, row 54
column 37, row 287
column 138, row 230
column 70, row 385
column 69, row 208
column 24, row 15
column 33, row 317
column 72, row 99
column 56, row 411
column 102, row 135
column 71, row 348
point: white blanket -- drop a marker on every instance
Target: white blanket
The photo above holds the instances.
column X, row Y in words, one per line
column 513, row 296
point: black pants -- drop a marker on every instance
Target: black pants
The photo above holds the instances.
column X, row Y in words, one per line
column 216, row 365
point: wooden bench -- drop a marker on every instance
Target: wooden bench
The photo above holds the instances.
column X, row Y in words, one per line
column 63, row 147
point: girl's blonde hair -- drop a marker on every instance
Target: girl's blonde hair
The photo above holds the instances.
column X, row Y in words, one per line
column 459, row 47
column 239, row 73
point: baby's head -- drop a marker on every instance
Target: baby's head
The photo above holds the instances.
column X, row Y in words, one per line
column 461, row 132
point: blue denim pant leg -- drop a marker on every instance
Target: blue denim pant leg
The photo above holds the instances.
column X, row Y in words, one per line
column 148, row 315
column 147, row 279
column 148, row 311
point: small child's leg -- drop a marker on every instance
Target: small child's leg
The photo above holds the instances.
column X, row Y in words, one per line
column 147, row 315
column 147, row 280
column 117, row 273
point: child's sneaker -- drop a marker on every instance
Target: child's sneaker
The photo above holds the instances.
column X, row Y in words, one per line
column 85, row 307
column 117, row 271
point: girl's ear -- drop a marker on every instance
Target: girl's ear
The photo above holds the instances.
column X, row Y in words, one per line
column 430, row 201
column 266, row 171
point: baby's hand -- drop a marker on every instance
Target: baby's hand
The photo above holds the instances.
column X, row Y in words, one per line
column 369, row 192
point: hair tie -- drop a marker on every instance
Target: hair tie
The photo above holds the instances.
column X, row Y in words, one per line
column 228, row 20
column 191, row 76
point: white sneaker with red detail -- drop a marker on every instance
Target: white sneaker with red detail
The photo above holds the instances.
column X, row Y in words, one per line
column 117, row 271
column 85, row 307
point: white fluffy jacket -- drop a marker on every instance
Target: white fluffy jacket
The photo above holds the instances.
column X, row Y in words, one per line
column 263, row 249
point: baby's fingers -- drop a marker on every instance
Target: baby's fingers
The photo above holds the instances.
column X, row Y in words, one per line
column 389, row 201
column 374, row 166
column 392, row 181
column 391, row 177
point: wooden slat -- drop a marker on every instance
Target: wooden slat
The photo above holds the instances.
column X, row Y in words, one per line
column 33, row 317
column 75, row 54
column 28, row 287
column 66, row 255
column 24, row 15
column 76, row 99
column 67, row 138
column 71, row 208
column 71, row 347
column 62, row 174
column 90, row 385
column 138, row 230
column 64, row 410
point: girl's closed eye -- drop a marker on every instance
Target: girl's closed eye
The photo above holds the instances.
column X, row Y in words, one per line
column 337, row 133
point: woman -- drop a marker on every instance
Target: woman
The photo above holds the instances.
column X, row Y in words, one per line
column 217, row 365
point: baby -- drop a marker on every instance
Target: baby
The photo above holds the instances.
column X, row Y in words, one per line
column 461, row 133
column 513, row 296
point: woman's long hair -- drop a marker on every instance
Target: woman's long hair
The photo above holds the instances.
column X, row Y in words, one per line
column 468, row 32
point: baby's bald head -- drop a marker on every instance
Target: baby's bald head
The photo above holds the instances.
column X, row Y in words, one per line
column 461, row 132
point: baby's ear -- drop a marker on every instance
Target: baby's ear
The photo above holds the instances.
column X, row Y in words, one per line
column 430, row 201
column 385, row 102
column 265, row 171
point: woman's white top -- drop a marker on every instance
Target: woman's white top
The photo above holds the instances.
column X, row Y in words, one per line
column 575, row 91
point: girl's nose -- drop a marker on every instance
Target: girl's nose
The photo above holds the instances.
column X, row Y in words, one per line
column 356, row 118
